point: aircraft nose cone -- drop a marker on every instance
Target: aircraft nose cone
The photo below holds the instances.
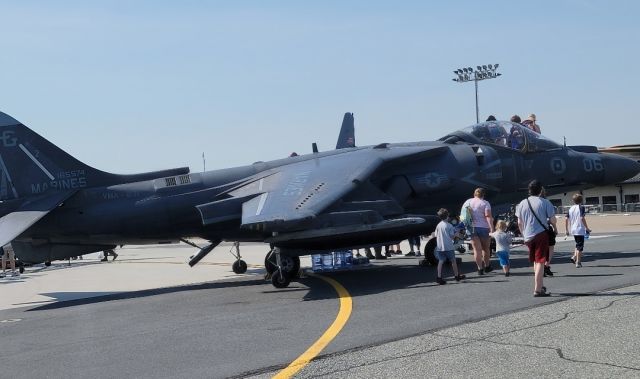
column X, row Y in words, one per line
column 618, row 169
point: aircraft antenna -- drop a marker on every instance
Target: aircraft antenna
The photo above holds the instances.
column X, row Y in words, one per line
column 565, row 141
column 204, row 163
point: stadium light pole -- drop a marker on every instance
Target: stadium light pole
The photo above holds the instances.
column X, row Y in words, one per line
column 481, row 73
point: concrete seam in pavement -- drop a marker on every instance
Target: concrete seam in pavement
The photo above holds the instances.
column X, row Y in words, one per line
column 468, row 341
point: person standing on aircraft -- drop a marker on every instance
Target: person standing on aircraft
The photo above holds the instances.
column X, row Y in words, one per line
column 7, row 253
column 482, row 225
column 530, row 123
column 576, row 224
column 445, row 232
column 491, row 118
column 515, row 118
column 530, row 212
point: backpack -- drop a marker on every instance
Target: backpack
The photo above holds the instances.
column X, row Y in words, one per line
column 466, row 216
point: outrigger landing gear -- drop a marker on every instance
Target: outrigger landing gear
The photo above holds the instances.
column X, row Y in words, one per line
column 239, row 266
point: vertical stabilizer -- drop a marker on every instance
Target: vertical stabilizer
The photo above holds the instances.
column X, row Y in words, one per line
column 31, row 165
column 347, row 136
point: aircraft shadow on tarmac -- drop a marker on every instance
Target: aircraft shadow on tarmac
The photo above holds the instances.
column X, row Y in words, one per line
column 359, row 282
column 139, row 294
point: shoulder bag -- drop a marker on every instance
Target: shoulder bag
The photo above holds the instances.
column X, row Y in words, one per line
column 549, row 229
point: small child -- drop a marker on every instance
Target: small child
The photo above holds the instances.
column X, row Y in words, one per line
column 445, row 232
column 503, row 245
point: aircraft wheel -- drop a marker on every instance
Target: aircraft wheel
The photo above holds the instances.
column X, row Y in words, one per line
column 239, row 266
column 280, row 280
column 47, row 263
column 290, row 265
column 429, row 252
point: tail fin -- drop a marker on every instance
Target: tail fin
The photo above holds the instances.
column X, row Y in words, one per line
column 347, row 136
column 31, row 165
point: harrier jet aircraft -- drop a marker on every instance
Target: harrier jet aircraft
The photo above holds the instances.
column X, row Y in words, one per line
column 54, row 206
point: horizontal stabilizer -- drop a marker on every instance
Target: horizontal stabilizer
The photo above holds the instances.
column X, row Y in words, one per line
column 17, row 222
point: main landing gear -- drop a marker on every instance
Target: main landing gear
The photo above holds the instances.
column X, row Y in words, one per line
column 281, row 268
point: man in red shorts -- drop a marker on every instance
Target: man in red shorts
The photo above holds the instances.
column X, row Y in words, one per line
column 534, row 214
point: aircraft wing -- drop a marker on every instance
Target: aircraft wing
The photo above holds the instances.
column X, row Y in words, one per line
column 15, row 223
column 300, row 191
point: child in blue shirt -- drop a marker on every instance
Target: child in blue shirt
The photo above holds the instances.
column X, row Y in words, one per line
column 503, row 245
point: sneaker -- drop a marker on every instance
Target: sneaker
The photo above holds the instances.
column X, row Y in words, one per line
column 506, row 274
column 115, row 255
column 460, row 277
column 441, row 281
column 480, row 271
column 410, row 254
column 578, row 265
column 541, row 294
column 103, row 259
column 547, row 271
column 488, row 269
column 572, row 259
column 398, row 252
column 418, row 254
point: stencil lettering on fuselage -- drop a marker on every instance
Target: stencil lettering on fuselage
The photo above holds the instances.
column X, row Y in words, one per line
column 74, row 179
column 296, row 186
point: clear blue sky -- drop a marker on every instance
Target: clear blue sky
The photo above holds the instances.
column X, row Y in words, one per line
column 132, row 86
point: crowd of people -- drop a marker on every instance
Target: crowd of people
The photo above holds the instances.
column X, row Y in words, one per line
column 537, row 223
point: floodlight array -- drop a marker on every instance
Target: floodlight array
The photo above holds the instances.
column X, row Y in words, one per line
column 468, row 74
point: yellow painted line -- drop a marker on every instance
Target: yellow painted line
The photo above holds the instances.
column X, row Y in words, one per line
column 346, row 305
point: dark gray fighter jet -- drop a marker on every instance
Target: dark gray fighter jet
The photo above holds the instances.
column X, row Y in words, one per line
column 53, row 206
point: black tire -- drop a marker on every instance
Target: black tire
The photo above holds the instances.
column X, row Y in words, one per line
column 280, row 280
column 429, row 252
column 239, row 266
column 290, row 264
column 21, row 269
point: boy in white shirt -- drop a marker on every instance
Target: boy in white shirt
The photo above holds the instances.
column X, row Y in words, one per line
column 576, row 224
column 445, row 232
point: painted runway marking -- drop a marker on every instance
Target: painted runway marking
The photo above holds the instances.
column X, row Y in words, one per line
column 346, row 305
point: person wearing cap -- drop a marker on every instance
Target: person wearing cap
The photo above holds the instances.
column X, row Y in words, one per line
column 530, row 123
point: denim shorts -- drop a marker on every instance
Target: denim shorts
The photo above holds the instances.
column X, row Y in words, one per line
column 480, row 232
column 444, row 255
column 504, row 258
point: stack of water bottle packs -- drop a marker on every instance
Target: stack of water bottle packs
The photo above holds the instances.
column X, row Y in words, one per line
column 337, row 260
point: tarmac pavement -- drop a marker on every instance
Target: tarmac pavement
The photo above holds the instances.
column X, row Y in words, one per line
column 586, row 330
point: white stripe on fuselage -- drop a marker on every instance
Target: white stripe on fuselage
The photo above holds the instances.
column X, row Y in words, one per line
column 263, row 198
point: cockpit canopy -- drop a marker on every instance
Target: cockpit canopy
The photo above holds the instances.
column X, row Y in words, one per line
column 505, row 134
